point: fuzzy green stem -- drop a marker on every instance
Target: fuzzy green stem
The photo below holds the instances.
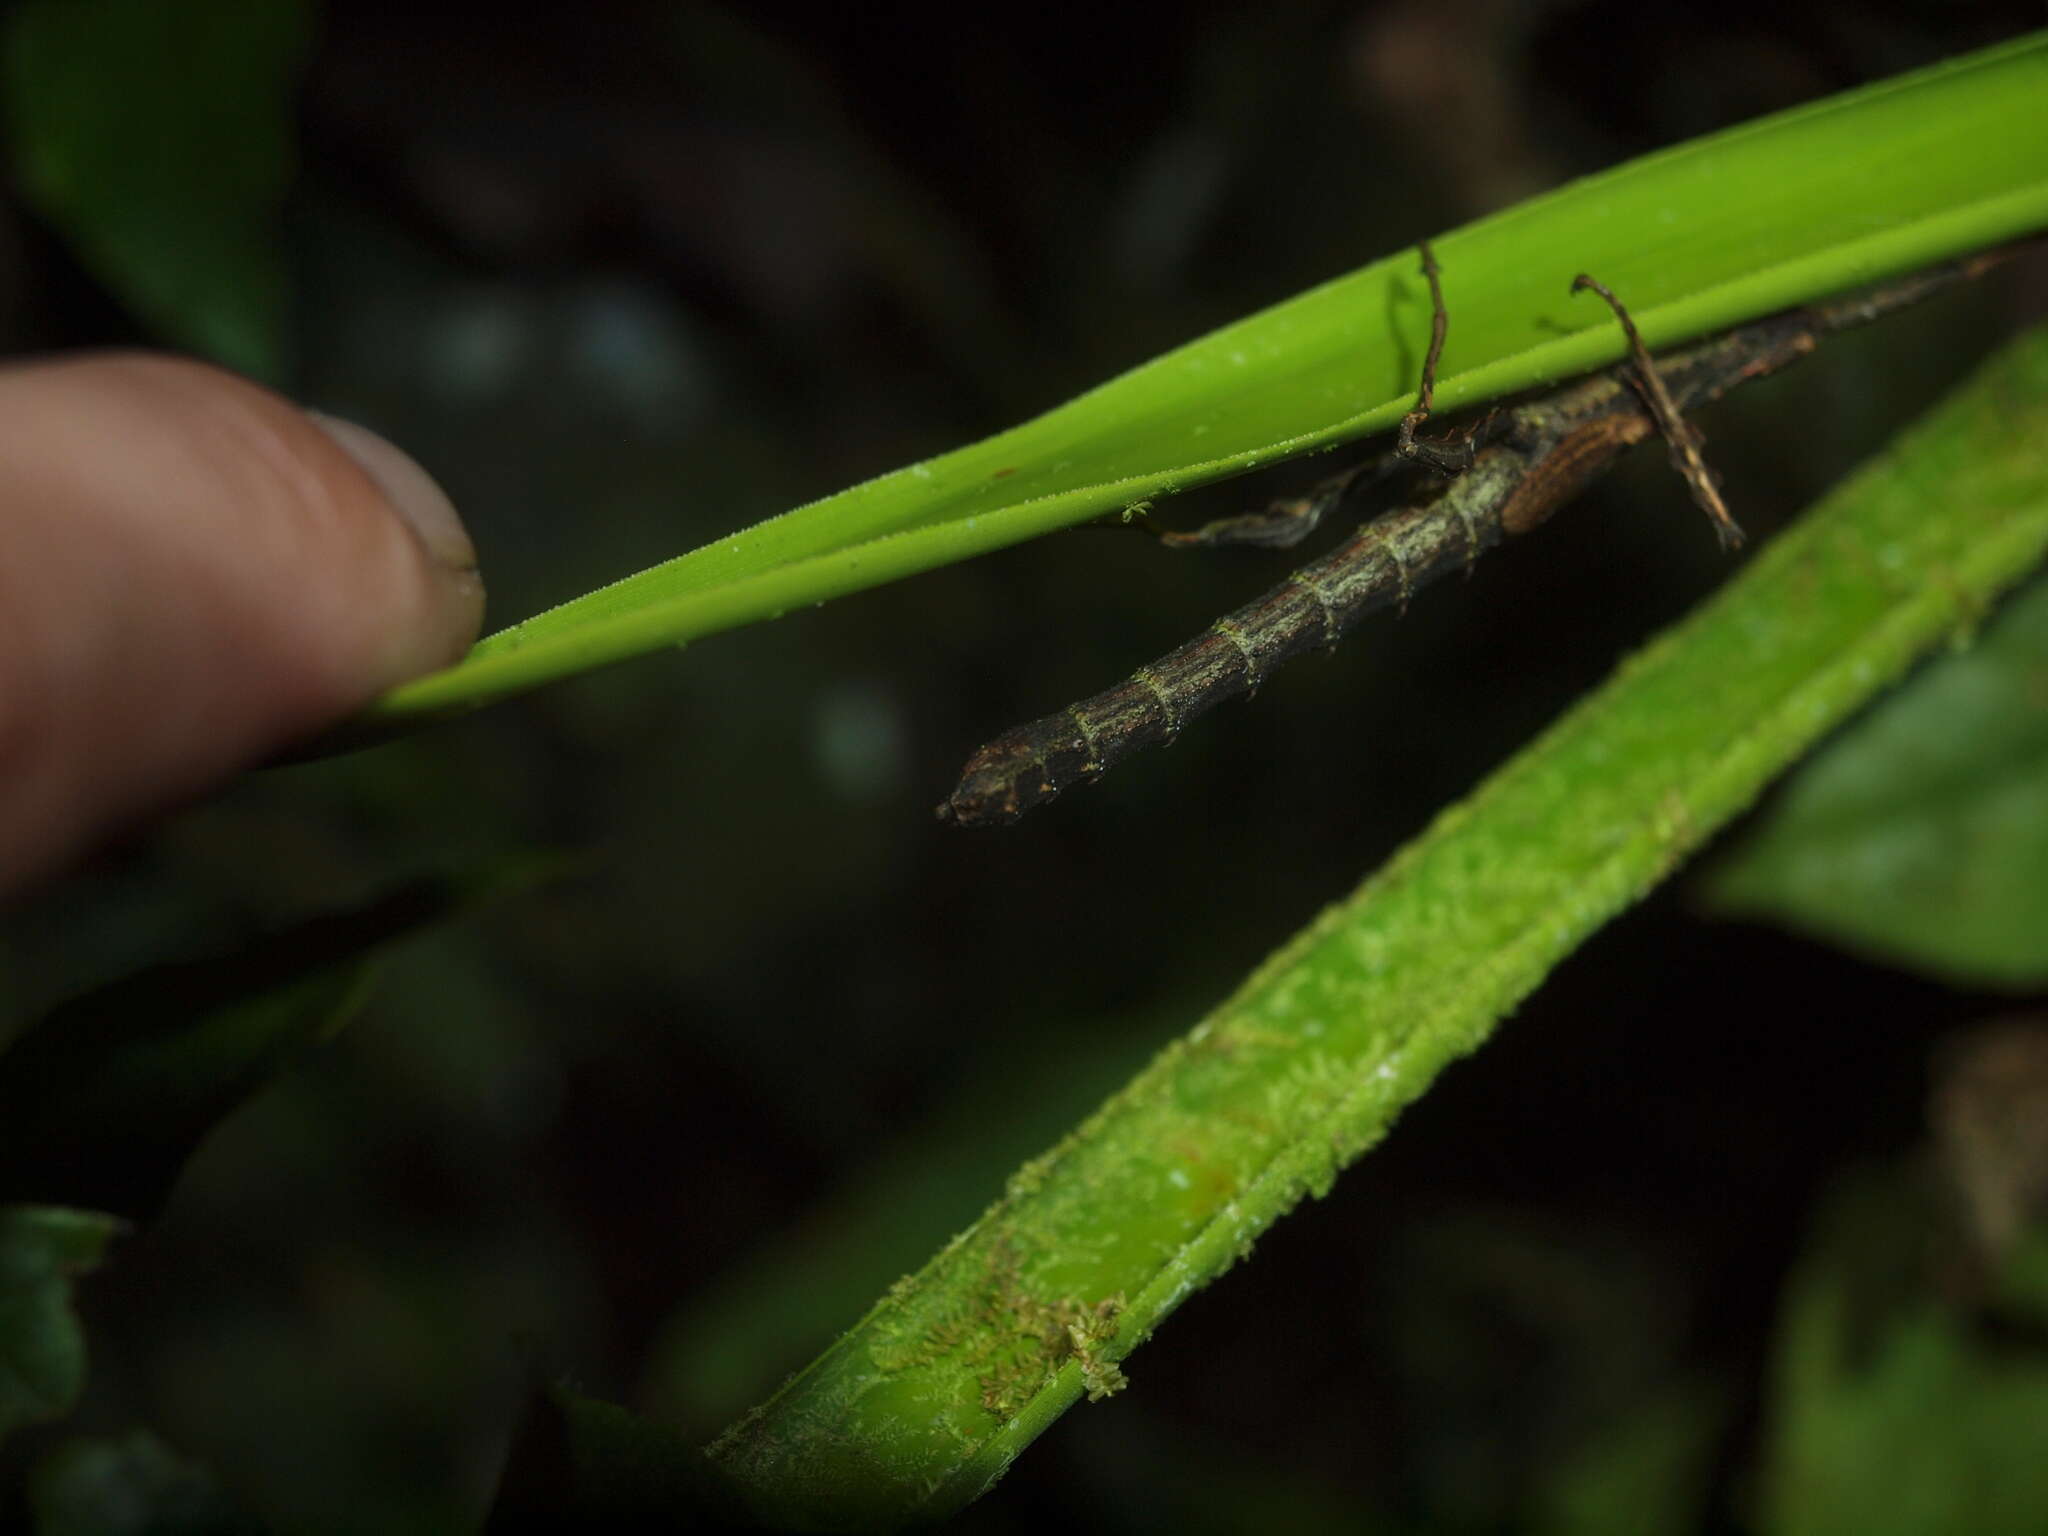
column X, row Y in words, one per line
column 921, row 1406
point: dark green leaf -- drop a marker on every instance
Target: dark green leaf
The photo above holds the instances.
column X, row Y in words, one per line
column 1649, row 1471
column 159, row 140
column 42, row 1348
column 102, row 1102
column 1921, row 834
column 1898, row 1411
column 130, row 1487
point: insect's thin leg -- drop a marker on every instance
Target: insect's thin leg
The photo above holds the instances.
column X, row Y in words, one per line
column 1285, row 522
column 1679, row 434
column 1446, row 456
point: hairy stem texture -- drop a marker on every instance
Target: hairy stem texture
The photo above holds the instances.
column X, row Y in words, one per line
column 924, row 1402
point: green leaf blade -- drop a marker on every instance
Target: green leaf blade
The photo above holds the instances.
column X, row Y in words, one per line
column 126, row 1486
column 1696, row 238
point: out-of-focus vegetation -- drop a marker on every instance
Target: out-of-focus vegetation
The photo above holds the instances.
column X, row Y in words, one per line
column 1920, row 833
column 631, row 277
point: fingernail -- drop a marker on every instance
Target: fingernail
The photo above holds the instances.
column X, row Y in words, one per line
column 409, row 489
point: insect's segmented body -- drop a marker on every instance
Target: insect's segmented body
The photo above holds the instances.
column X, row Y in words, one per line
column 1530, row 461
column 1383, row 563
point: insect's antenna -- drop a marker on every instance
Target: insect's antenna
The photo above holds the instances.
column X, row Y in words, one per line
column 1679, row 433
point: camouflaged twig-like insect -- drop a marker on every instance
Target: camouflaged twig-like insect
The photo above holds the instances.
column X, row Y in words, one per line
column 1505, row 475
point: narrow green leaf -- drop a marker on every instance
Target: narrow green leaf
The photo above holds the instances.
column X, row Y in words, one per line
column 921, row 1406
column 1698, row 238
column 159, row 140
column 1921, row 835
column 42, row 1348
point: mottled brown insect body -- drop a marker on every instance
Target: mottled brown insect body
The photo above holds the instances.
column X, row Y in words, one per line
column 1511, row 471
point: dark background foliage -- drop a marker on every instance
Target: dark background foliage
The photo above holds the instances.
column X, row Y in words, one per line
column 627, row 276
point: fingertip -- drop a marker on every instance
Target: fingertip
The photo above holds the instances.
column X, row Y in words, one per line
column 410, row 490
column 424, row 509
column 195, row 574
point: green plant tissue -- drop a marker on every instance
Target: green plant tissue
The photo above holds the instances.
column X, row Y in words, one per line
column 1920, row 835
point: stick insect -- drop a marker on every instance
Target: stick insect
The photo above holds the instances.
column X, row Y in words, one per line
column 1500, row 477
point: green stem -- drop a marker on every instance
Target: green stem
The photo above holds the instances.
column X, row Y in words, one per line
column 920, row 1407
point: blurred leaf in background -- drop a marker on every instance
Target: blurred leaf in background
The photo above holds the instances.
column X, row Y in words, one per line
column 42, row 1345
column 160, row 140
column 1920, row 836
column 132, row 1486
column 1649, row 1469
column 1896, row 1407
column 104, row 1100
